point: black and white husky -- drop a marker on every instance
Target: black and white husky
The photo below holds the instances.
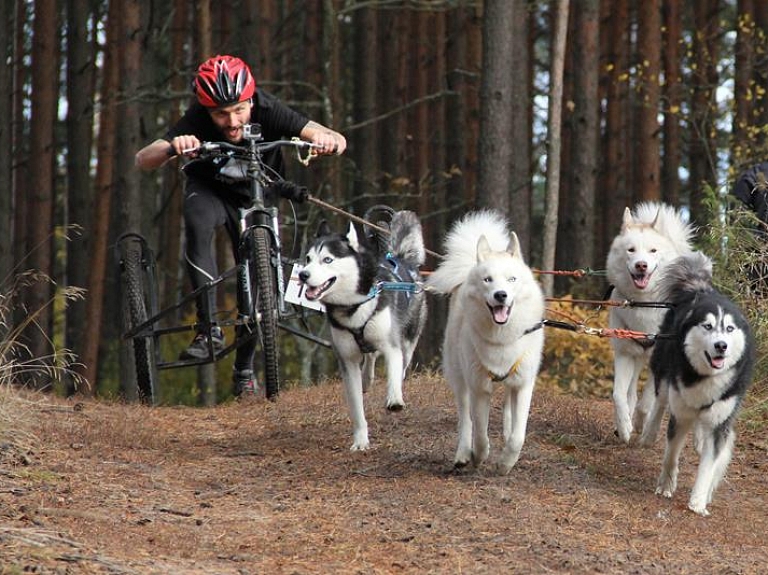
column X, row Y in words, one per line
column 702, row 368
column 370, row 289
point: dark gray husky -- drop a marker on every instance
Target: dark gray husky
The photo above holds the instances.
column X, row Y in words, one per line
column 702, row 368
column 369, row 286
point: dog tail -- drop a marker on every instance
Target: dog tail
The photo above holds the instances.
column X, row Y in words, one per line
column 406, row 239
column 686, row 275
column 461, row 247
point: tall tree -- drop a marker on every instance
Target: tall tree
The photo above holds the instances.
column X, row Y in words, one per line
column 576, row 243
column 560, row 9
column 133, row 208
column 673, row 96
column 418, row 122
column 206, row 375
column 365, row 152
column 80, row 88
column 648, row 171
column 744, row 90
column 520, row 132
column 703, row 153
column 172, row 181
column 103, row 190
column 6, row 140
column 760, row 78
column 615, row 170
column 40, row 193
column 494, row 149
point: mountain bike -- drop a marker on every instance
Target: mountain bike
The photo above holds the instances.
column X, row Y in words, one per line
column 266, row 299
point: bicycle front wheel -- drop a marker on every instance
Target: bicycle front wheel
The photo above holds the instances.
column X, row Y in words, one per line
column 135, row 312
column 264, row 282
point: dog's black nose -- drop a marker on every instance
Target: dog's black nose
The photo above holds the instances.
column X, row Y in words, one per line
column 500, row 296
column 303, row 275
column 721, row 346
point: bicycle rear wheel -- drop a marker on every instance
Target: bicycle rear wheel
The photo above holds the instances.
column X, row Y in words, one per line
column 136, row 306
column 264, row 282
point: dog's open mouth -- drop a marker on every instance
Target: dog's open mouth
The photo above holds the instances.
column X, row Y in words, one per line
column 641, row 280
column 716, row 361
column 500, row 313
column 314, row 293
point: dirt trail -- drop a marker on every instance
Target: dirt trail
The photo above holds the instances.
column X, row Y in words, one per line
column 273, row 488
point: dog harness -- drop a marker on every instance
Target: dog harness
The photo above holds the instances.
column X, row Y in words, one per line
column 496, row 378
column 391, row 267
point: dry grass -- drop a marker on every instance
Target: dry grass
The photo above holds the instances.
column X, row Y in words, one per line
column 273, row 488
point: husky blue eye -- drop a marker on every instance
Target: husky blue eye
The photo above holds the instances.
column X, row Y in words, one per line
column 707, row 326
column 730, row 328
column 327, row 259
column 512, row 279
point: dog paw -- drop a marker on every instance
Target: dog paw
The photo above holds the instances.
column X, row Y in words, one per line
column 665, row 492
column 624, row 434
column 646, row 439
column 395, row 406
column 698, row 508
column 360, row 442
column 460, row 464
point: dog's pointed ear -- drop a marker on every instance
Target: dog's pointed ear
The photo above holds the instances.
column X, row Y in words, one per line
column 656, row 225
column 352, row 237
column 513, row 247
column 483, row 249
column 627, row 219
column 323, row 229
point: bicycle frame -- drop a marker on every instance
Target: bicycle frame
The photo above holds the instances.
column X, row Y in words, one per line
column 257, row 215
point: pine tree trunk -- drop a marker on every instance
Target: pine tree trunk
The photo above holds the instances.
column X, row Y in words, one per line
column 38, row 297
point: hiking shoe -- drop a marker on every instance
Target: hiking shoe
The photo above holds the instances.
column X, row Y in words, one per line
column 200, row 348
column 244, row 383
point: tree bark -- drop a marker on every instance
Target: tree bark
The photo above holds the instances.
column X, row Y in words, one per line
column 554, row 125
column 133, row 208
column 522, row 97
column 80, row 85
column 576, row 242
column 703, row 106
column 6, row 143
column 38, row 297
column 649, row 66
column 102, row 205
column 744, row 89
column 495, row 149
column 673, row 95
column 615, row 187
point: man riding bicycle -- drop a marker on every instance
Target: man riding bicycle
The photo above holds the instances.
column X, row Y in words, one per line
column 227, row 99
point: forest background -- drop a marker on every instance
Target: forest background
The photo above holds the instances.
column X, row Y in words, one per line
column 447, row 106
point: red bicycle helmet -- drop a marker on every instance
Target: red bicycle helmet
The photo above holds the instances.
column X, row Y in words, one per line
column 223, row 80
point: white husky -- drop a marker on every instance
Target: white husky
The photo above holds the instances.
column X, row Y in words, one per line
column 493, row 334
column 651, row 236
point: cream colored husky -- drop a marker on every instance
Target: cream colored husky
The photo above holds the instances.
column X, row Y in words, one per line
column 494, row 333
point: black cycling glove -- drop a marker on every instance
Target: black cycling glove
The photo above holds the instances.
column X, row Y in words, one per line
column 291, row 191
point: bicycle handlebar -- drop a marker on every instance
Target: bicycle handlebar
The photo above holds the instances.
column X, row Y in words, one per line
column 261, row 147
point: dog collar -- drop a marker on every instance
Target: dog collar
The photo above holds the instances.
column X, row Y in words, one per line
column 495, row 378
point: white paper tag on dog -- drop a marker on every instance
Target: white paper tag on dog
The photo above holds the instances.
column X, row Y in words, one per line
column 294, row 292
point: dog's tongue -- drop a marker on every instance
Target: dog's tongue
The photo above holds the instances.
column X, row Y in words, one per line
column 500, row 313
column 717, row 362
column 311, row 293
column 641, row 282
